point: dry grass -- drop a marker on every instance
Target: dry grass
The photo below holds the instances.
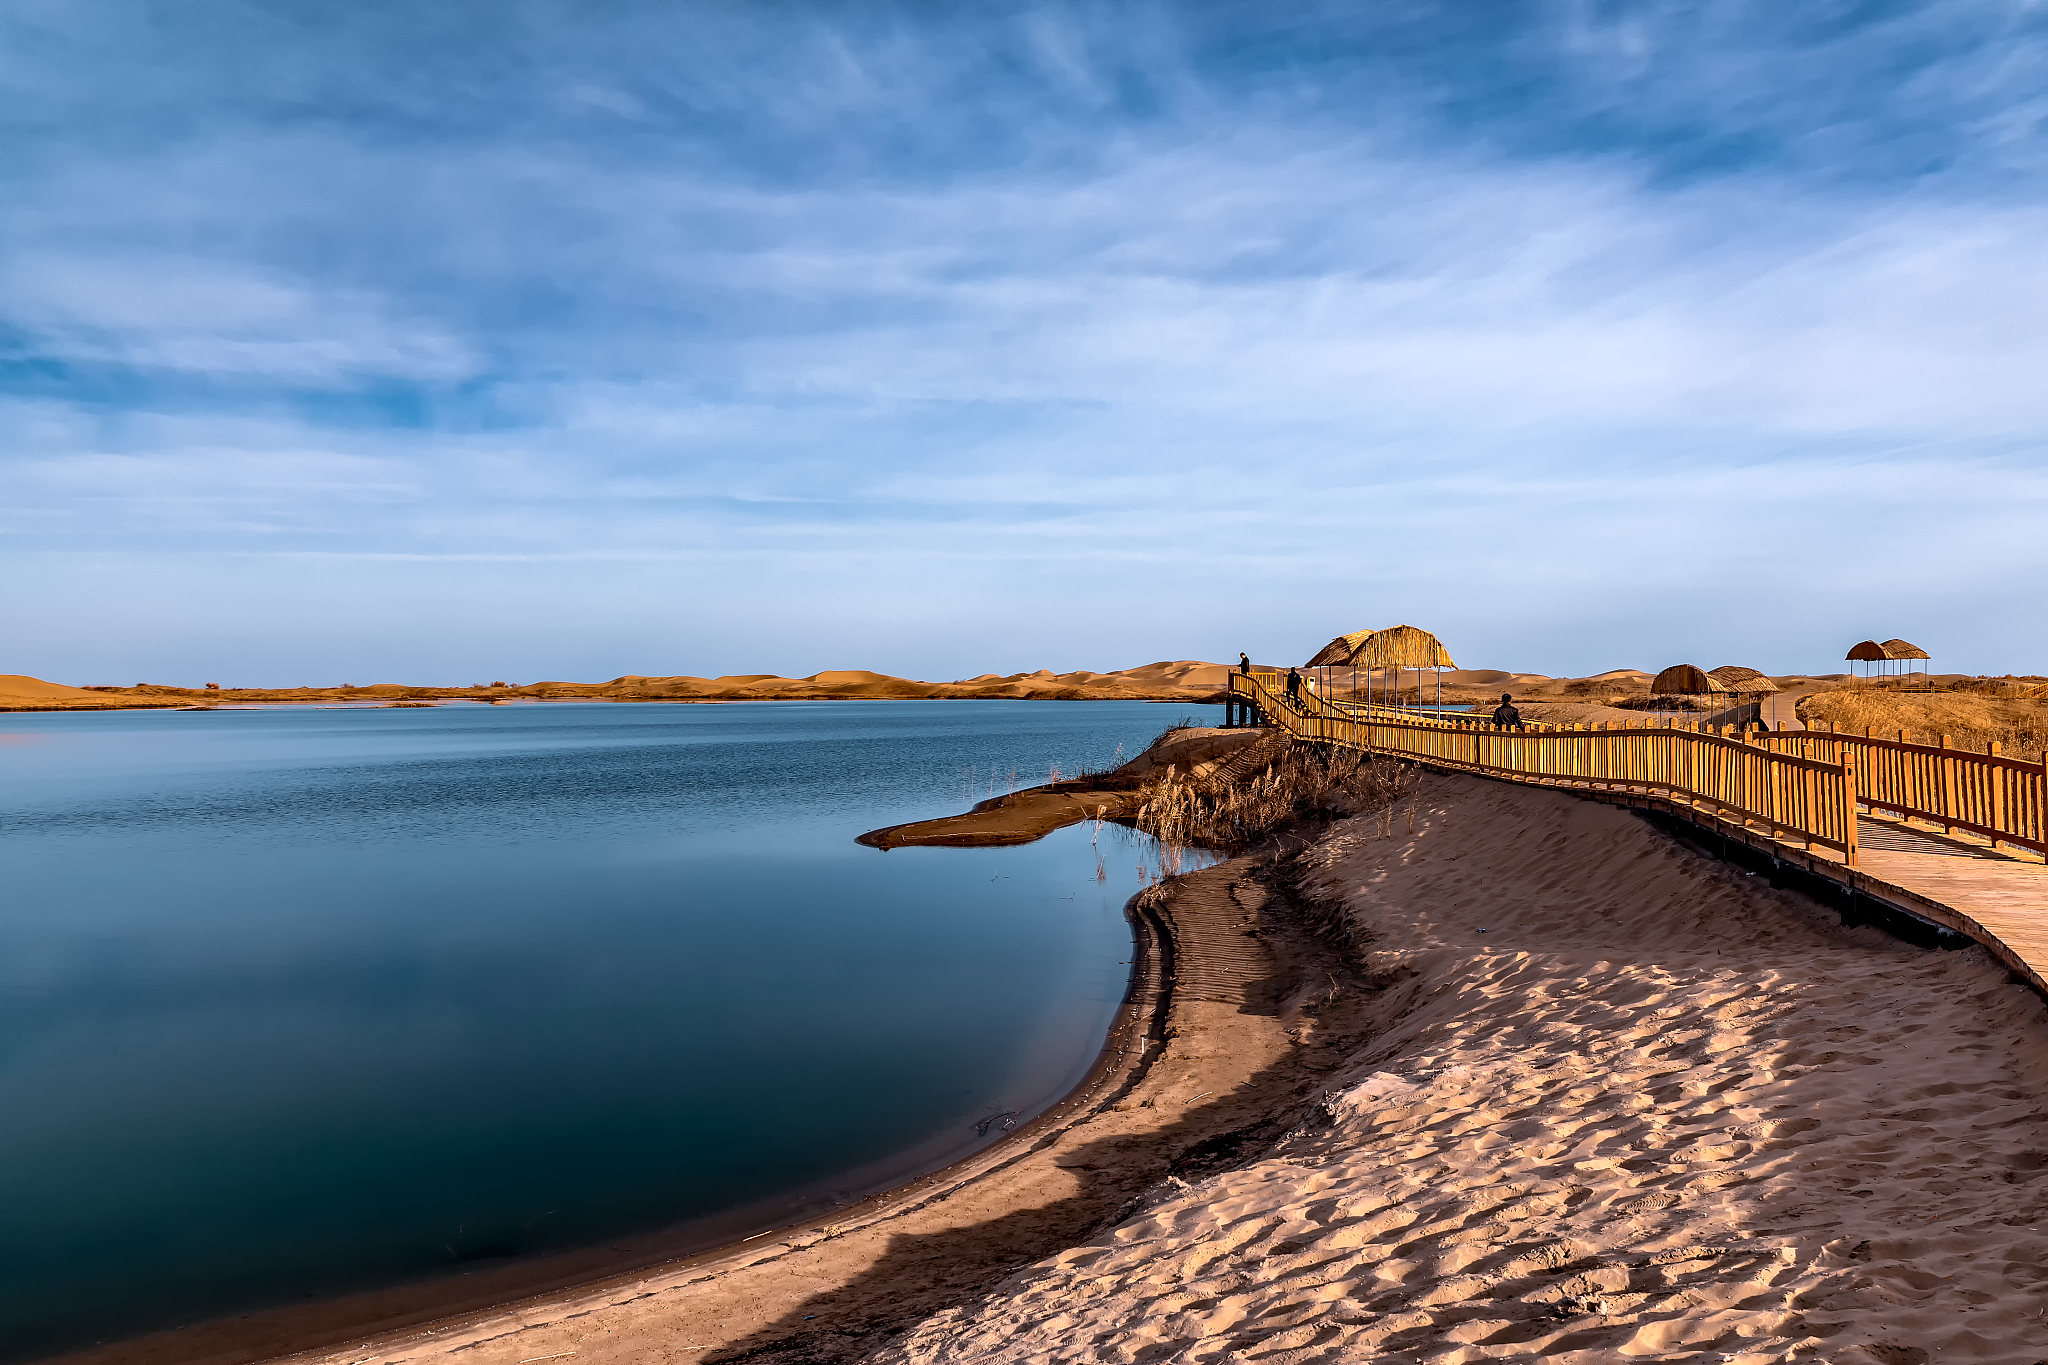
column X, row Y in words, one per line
column 1276, row 783
column 1970, row 720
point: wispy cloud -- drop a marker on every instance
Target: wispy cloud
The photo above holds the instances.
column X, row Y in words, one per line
column 1584, row 324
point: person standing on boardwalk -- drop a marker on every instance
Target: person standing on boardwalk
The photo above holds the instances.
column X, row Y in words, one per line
column 1505, row 715
column 1293, row 687
column 1244, row 662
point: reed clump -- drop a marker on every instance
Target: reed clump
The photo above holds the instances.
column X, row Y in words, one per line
column 1275, row 783
column 1971, row 720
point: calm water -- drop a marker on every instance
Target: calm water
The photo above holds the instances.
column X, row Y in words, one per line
column 298, row 1001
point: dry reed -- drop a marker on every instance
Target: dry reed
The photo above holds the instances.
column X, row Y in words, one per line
column 1276, row 783
column 2019, row 726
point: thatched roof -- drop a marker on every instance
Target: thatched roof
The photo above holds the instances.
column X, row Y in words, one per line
column 1403, row 647
column 1340, row 651
column 1902, row 649
column 1742, row 681
column 1869, row 651
column 1688, row 680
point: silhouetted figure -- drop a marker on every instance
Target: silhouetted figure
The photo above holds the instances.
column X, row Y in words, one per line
column 1505, row 715
column 1244, row 662
column 1293, row 686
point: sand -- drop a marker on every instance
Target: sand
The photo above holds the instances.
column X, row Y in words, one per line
column 19, row 692
column 1657, row 1110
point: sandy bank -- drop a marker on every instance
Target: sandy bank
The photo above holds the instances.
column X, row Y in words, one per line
column 1619, row 1102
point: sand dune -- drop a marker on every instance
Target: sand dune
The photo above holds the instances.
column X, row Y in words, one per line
column 19, row 692
column 21, row 687
column 1168, row 680
column 1626, row 1103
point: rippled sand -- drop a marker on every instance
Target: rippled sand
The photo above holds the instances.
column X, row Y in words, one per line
column 1623, row 1103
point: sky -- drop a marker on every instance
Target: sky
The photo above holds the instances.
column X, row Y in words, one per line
column 491, row 339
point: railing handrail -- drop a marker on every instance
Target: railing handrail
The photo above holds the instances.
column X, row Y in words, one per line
column 1998, row 796
column 1808, row 797
column 1905, row 746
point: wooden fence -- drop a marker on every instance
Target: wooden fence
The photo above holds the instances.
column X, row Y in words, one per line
column 1990, row 794
column 1809, row 799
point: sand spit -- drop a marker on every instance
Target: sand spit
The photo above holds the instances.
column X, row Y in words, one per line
column 1620, row 1102
column 1020, row 817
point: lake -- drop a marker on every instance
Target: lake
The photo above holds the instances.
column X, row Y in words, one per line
column 298, row 1001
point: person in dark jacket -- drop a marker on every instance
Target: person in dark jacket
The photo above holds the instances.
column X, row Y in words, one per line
column 1505, row 715
column 1293, row 686
column 1244, row 662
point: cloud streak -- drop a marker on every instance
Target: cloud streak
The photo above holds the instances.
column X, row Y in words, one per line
column 1597, row 327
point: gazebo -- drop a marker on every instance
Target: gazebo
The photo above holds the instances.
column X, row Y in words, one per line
column 1871, row 652
column 1905, row 651
column 1746, row 682
column 1688, row 680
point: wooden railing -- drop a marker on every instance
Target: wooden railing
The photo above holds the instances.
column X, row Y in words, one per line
column 1804, row 798
column 2000, row 798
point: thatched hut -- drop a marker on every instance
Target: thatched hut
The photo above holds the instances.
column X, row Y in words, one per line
column 1689, row 680
column 1744, row 682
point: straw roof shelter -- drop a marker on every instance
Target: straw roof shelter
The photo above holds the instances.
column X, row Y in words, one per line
column 1745, row 682
column 1689, row 680
column 1404, row 647
column 1871, row 652
column 1341, row 651
column 1398, row 648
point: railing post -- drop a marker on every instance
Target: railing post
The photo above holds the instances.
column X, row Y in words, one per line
column 1848, row 808
column 1998, row 801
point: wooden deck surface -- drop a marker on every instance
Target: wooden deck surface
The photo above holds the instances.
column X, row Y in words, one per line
column 2007, row 895
column 1997, row 897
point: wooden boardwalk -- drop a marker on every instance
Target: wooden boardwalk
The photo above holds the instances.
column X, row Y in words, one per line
column 1918, row 858
column 1999, row 899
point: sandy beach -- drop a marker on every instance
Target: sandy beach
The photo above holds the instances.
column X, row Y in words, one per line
column 1585, row 1094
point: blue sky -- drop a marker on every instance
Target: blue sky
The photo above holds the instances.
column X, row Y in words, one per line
column 488, row 340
